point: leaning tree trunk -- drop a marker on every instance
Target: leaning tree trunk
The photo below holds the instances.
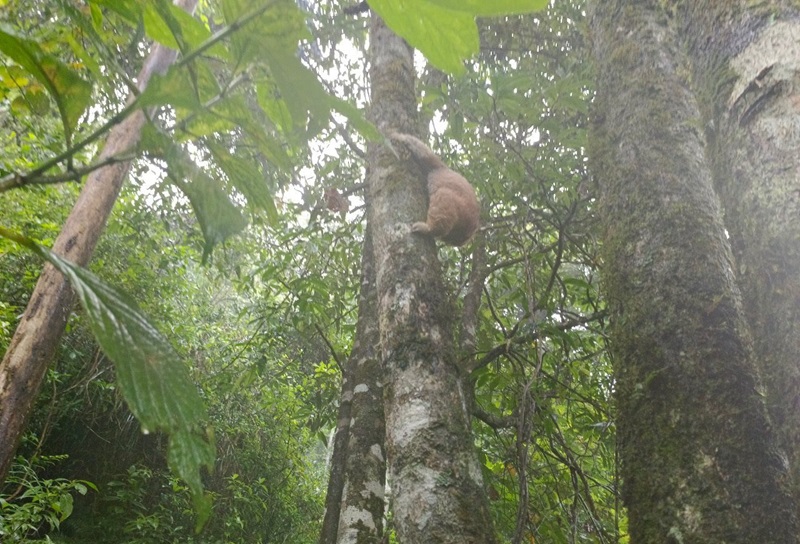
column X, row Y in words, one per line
column 355, row 499
column 434, row 474
column 752, row 106
column 699, row 461
column 36, row 338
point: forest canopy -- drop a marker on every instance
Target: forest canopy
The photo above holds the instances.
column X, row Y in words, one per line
column 219, row 324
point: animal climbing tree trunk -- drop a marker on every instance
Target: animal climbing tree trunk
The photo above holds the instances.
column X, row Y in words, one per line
column 699, row 461
column 751, row 102
column 434, row 474
column 34, row 342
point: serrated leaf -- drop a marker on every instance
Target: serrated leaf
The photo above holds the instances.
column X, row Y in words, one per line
column 150, row 373
column 71, row 93
column 246, row 177
column 219, row 218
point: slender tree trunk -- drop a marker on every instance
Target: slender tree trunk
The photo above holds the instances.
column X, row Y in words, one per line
column 35, row 340
column 699, row 461
column 434, row 474
column 336, row 478
column 362, row 511
column 752, row 100
column 354, row 502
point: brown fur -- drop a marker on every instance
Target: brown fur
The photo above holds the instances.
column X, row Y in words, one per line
column 453, row 211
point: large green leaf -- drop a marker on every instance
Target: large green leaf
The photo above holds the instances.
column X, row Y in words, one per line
column 150, row 373
column 445, row 30
column 280, row 21
column 71, row 92
column 129, row 9
column 172, row 26
column 494, row 8
column 445, row 36
column 175, row 88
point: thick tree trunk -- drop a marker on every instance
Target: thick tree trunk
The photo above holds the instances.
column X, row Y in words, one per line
column 699, row 461
column 34, row 342
column 752, row 101
column 434, row 474
column 354, row 502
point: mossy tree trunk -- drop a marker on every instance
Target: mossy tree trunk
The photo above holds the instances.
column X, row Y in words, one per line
column 699, row 460
column 434, row 474
column 355, row 499
column 747, row 71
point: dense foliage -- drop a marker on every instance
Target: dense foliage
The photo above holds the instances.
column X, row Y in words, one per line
column 263, row 323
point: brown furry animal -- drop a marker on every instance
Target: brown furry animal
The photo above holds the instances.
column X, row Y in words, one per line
column 453, row 211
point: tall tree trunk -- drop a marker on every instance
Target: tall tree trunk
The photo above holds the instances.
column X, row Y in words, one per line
column 362, row 511
column 35, row 340
column 699, row 461
column 434, row 474
column 752, row 100
column 355, row 498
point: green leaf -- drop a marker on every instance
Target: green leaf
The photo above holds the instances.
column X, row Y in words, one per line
column 150, row 373
column 277, row 21
column 299, row 87
column 187, row 451
column 128, row 9
column 482, row 8
column 219, row 218
column 172, row 26
column 175, row 88
column 445, row 30
column 246, row 177
column 445, row 36
column 71, row 92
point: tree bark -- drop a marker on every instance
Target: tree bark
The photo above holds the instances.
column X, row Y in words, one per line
column 362, row 511
column 35, row 340
column 699, row 459
column 751, row 103
column 434, row 474
column 355, row 498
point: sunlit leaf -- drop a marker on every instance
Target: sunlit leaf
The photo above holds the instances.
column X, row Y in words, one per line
column 494, row 8
column 445, row 36
column 445, row 30
column 71, row 93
